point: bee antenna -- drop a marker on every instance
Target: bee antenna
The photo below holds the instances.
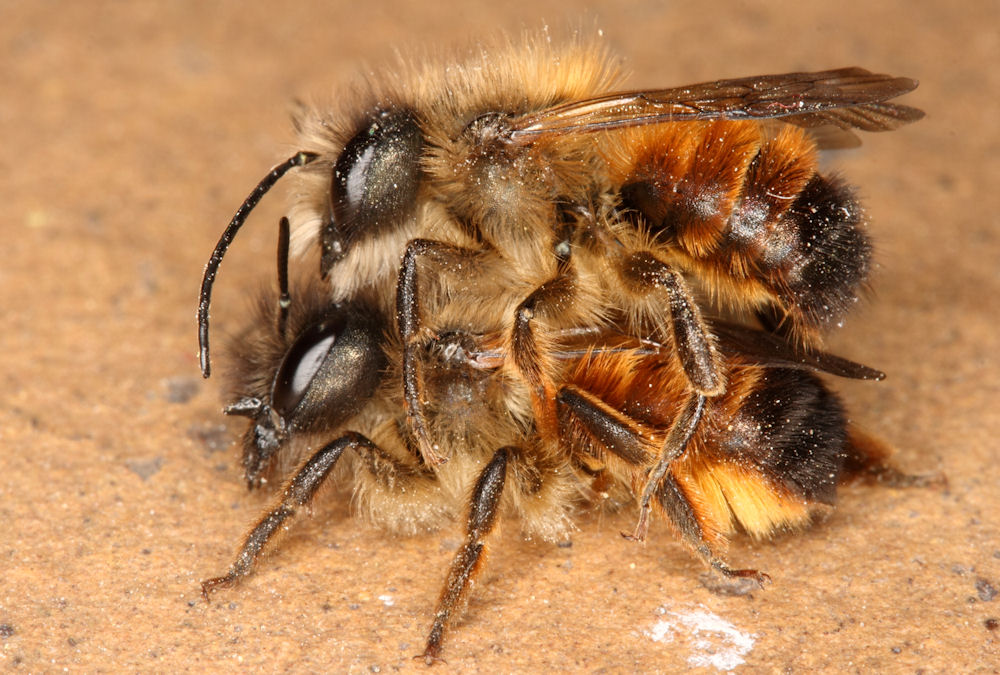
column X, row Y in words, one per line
column 300, row 158
column 284, row 299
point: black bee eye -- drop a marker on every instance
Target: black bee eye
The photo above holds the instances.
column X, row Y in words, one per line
column 376, row 177
column 329, row 372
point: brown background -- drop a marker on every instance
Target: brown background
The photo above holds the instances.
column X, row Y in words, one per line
column 129, row 133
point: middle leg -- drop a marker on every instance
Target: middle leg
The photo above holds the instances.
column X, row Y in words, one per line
column 467, row 564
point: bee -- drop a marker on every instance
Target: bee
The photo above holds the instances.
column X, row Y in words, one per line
column 767, row 456
column 511, row 259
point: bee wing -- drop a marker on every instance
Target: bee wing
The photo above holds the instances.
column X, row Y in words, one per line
column 770, row 350
column 754, row 345
column 848, row 98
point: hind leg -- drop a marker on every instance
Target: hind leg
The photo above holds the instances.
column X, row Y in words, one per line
column 627, row 440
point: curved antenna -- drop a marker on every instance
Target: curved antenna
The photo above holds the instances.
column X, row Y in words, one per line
column 300, row 158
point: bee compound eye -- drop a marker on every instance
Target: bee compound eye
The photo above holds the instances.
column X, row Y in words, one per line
column 376, row 176
column 331, row 370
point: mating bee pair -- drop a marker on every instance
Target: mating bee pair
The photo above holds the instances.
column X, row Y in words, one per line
column 510, row 311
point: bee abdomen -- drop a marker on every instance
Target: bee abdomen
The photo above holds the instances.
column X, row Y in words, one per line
column 749, row 209
column 799, row 433
column 776, row 460
column 798, row 234
column 812, row 258
column 835, row 252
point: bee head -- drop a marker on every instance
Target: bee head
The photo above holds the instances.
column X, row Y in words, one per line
column 329, row 370
column 374, row 183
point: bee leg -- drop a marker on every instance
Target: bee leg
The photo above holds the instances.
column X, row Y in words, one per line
column 626, row 439
column 681, row 512
column 681, row 432
column 613, row 430
column 643, row 275
column 530, row 353
column 297, row 493
column 468, row 562
column 414, row 337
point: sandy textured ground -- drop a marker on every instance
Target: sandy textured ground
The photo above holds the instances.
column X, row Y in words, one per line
column 129, row 132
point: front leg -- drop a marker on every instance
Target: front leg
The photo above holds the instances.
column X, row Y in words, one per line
column 414, row 336
column 297, row 493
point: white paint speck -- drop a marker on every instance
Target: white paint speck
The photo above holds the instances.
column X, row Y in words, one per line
column 387, row 600
column 714, row 642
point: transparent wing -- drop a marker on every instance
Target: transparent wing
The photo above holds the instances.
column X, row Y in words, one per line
column 848, row 98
